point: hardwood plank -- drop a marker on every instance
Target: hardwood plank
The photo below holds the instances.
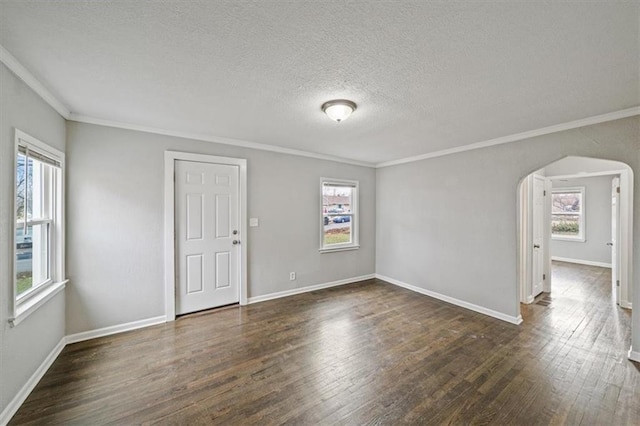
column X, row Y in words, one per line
column 365, row 353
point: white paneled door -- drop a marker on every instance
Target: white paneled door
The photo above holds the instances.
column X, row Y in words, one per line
column 538, row 235
column 207, row 235
column 615, row 238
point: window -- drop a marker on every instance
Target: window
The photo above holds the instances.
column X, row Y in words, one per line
column 339, row 215
column 38, row 267
column 567, row 214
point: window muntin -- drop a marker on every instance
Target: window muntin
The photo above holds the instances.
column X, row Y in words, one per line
column 38, row 221
column 567, row 214
column 339, row 219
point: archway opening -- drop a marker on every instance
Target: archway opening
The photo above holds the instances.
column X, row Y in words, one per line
column 558, row 223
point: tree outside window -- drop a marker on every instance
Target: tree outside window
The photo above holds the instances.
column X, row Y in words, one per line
column 567, row 213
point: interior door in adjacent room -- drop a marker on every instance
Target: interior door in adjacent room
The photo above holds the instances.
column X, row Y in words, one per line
column 538, row 224
column 615, row 238
column 207, row 235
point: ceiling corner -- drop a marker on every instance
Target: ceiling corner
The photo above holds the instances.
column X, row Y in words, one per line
column 30, row 80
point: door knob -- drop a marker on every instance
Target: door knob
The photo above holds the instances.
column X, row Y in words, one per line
column 236, row 242
column 610, row 244
column 536, row 246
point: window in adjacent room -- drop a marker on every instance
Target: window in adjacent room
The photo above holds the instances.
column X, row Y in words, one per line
column 567, row 214
column 339, row 215
column 38, row 267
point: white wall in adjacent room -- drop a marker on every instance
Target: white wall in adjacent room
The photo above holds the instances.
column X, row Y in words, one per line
column 597, row 205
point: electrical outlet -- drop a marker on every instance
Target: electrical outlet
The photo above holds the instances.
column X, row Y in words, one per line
column 292, row 276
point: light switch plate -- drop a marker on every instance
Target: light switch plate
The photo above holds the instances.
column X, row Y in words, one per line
column 253, row 222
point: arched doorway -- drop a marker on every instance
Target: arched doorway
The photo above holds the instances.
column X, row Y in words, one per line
column 535, row 194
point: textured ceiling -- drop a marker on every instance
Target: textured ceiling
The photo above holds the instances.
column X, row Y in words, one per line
column 427, row 76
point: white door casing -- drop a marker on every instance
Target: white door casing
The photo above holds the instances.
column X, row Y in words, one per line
column 524, row 240
column 204, row 267
column 538, row 235
column 548, row 276
column 615, row 238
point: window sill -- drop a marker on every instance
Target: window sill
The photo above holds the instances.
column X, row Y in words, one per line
column 30, row 306
column 343, row 248
column 574, row 239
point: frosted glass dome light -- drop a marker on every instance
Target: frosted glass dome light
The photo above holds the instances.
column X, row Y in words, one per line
column 339, row 109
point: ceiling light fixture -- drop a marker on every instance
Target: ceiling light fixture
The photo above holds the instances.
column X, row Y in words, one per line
column 339, row 109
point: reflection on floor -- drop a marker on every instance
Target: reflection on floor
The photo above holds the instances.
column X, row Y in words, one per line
column 368, row 352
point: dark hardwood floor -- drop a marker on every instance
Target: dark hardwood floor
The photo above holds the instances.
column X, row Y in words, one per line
column 363, row 353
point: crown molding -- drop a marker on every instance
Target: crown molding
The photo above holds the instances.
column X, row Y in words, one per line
column 30, row 80
column 611, row 116
column 215, row 139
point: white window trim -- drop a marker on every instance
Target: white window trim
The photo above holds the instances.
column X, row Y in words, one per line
column 355, row 217
column 25, row 306
column 581, row 237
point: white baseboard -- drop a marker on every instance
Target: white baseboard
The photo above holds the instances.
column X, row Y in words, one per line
column 24, row 392
column 581, row 262
column 633, row 355
column 626, row 305
column 486, row 311
column 120, row 328
column 307, row 289
column 22, row 395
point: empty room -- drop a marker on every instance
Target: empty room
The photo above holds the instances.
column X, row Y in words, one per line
column 358, row 212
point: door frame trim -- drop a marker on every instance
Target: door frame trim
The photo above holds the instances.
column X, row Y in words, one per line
column 170, row 158
column 546, row 283
column 525, row 239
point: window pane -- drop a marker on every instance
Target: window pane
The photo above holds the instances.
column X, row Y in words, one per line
column 38, row 205
column 336, row 199
column 24, row 255
column 24, row 187
column 32, row 256
column 33, row 189
column 565, row 224
column 337, row 203
column 337, row 230
column 566, row 202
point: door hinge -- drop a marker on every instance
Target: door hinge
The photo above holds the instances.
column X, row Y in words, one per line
column 544, row 193
column 618, row 190
column 544, row 277
column 617, row 283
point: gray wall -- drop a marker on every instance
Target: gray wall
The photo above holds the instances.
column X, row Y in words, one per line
column 115, row 216
column 448, row 224
column 24, row 347
column 597, row 222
